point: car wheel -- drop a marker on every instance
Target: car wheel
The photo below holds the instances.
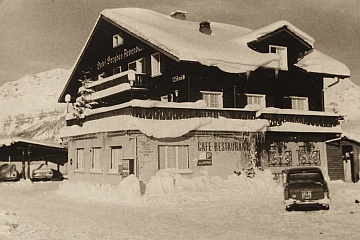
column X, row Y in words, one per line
column 288, row 208
column 326, row 208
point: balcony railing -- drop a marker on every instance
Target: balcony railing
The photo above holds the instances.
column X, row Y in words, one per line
column 168, row 113
column 130, row 77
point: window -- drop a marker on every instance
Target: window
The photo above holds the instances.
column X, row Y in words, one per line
column 79, row 161
column 155, row 64
column 117, row 70
column 117, row 40
column 95, row 159
column 138, row 66
column 299, row 103
column 213, row 99
column 258, row 99
column 282, row 52
column 116, row 157
column 176, row 157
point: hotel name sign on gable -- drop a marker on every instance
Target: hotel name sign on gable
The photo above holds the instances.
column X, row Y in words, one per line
column 125, row 53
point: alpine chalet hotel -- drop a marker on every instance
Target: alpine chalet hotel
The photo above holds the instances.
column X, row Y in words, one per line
column 196, row 98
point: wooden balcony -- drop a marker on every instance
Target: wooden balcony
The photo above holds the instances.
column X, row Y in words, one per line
column 129, row 77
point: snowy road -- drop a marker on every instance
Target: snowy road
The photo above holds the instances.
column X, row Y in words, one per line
column 37, row 211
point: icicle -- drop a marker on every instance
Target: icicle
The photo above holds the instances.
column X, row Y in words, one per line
column 247, row 74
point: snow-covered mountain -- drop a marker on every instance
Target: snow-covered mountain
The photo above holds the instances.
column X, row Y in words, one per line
column 29, row 107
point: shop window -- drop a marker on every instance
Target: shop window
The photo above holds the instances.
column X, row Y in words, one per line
column 258, row 99
column 116, row 70
column 117, row 40
column 115, row 160
column 213, row 99
column 79, row 160
column 138, row 66
column 279, row 155
column 155, row 65
column 282, row 52
column 95, row 159
column 175, row 157
column 309, row 155
column 299, row 103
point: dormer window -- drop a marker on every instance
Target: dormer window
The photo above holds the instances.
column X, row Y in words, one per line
column 117, row 40
column 282, row 52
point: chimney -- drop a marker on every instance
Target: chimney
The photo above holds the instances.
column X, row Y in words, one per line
column 178, row 14
column 205, row 27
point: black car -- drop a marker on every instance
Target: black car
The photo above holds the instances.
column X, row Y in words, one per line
column 8, row 172
column 306, row 187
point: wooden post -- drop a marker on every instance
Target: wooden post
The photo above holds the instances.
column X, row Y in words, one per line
column 28, row 162
column 23, row 163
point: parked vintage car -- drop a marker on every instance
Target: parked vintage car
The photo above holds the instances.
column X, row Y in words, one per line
column 306, row 187
column 40, row 172
column 8, row 172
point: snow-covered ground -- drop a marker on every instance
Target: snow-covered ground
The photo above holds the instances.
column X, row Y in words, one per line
column 173, row 207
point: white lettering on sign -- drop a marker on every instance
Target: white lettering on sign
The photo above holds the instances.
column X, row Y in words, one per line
column 118, row 57
column 178, row 78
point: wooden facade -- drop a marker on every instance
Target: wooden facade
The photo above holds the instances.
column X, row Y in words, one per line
column 343, row 159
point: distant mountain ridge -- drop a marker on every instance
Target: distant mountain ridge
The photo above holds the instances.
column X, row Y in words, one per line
column 29, row 107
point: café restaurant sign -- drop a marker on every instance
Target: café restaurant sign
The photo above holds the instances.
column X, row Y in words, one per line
column 118, row 57
column 220, row 146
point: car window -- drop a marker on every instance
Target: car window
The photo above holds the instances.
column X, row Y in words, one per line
column 305, row 177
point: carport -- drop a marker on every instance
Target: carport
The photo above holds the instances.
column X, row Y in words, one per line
column 25, row 151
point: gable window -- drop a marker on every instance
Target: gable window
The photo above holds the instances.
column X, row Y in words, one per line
column 138, row 66
column 299, row 103
column 282, row 52
column 117, row 40
column 175, row 157
column 95, row 159
column 115, row 160
column 213, row 99
column 155, row 65
column 258, row 99
column 79, row 160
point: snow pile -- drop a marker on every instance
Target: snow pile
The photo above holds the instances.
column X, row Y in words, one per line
column 169, row 187
column 128, row 191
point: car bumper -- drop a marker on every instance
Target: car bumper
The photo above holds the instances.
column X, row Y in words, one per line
column 292, row 202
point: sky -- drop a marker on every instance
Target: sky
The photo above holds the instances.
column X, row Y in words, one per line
column 41, row 35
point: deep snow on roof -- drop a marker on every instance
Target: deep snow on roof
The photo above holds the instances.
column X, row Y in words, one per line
column 226, row 48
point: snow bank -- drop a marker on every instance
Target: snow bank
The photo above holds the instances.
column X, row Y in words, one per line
column 168, row 187
column 127, row 192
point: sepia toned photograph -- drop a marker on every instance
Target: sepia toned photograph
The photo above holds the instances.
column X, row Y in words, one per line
column 159, row 120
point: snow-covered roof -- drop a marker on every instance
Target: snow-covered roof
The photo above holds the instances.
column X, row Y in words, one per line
column 165, row 128
column 319, row 62
column 226, row 48
column 11, row 141
column 299, row 127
